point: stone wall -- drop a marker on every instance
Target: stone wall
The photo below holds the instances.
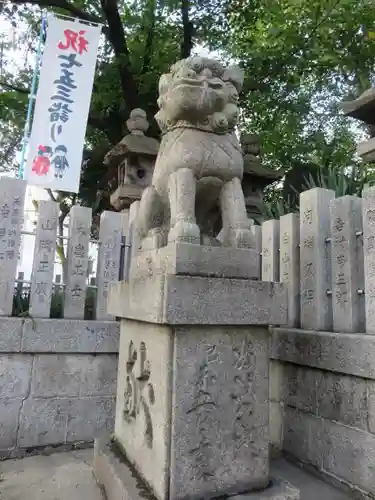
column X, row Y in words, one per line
column 57, row 382
column 323, row 408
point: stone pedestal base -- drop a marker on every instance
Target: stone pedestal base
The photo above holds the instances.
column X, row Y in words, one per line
column 196, row 260
column 121, row 482
column 192, row 407
column 192, row 392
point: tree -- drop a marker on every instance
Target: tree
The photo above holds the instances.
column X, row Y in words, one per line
column 141, row 39
column 302, row 58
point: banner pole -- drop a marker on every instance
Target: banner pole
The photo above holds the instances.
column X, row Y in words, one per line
column 32, row 97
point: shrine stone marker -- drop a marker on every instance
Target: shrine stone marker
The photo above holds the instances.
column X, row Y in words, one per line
column 192, row 394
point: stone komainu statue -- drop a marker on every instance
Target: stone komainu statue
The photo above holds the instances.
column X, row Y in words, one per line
column 196, row 194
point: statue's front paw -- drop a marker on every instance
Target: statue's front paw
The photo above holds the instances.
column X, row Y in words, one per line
column 184, row 231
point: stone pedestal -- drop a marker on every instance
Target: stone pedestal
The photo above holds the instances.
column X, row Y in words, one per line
column 192, row 394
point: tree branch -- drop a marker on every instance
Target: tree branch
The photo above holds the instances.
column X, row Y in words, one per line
column 10, row 150
column 188, row 29
column 8, row 86
column 51, row 195
column 62, row 4
column 116, row 36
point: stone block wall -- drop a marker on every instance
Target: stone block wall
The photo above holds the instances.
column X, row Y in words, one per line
column 57, row 382
column 324, row 391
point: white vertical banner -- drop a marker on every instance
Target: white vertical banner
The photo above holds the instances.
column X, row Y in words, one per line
column 62, row 105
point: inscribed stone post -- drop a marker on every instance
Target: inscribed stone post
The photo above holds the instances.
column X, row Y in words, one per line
column 348, row 306
column 316, row 303
column 270, row 250
column 44, row 254
column 78, row 246
column 368, row 204
column 256, row 232
column 289, row 264
column 110, row 234
column 12, row 198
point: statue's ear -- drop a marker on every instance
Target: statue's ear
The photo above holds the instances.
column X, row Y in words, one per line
column 235, row 75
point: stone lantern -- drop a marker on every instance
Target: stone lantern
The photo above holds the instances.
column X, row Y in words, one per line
column 256, row 176
column 134, row 157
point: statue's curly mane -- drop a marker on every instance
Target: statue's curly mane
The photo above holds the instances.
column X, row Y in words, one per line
column 224, row 85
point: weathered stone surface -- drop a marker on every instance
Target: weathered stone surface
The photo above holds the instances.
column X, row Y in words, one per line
column 55, row 398
column 277, row 375
column 301, row 390
column 43, row 422
column 134, row 238
column 110, row 235
column 371, row 405
column 143, row 407
column 276, row 426
column 115, row 476
column 348, row 353
column 330, row 395
column 90, row 418
column 303, row 436
column 270, row 250
column 15, row 375
column 290, row 264
column 12, row 195
column 221, row 301
column 277, row 397
column 193, row 430
column 256, row 232
column 9, row 411
column 347, row 265
column 75, row 336
column 342, row 398
column 345, row 452
column 316, row 305
column 10, row 334
column 60, row 420
column 279, row 490
column 120, row 482
column 368, row 204
column 219, row 411
column 196, row 300
column 349, row 454
column 62, row 375
column 197, row 260
column 198, row 171
column 51, row 476
column 117, row 297
column 44, row 255
column 77, row 262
